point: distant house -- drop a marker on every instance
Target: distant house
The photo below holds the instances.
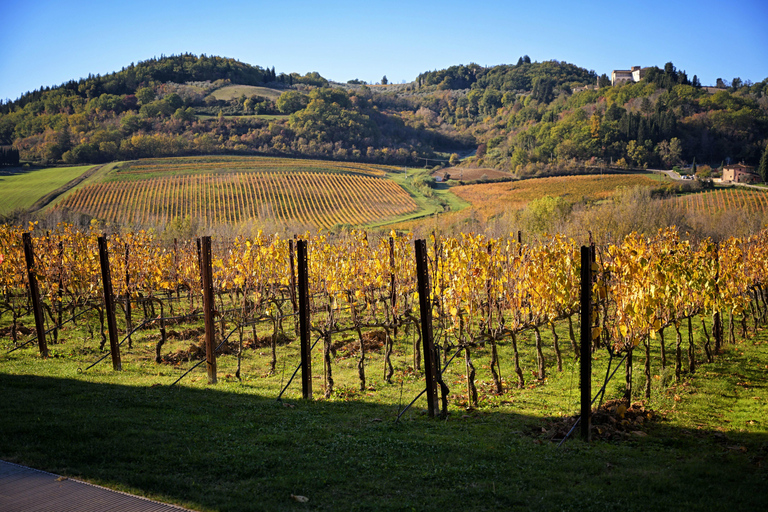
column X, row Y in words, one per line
column 740, row 173
column 584, row 88
column 619, row 76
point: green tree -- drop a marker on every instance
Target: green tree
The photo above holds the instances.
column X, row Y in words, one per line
column 670, row 152
column 490, row 102
column 762, row 169
column 384, row 80
column 291, row 101
column 130, row 123
column 638, row 153
column 174, row 101
column 145, row 95
column 185, row 114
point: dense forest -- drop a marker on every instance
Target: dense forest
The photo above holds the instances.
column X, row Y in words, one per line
column 528, row 118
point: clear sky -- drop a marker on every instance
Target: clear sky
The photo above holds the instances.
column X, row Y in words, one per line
column 47, row 42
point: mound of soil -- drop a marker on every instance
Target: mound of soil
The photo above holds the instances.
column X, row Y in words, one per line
column 186, row 334
column 615, row 420
column 373, row 341
column 196, row 352
column 266, row 341
column 20, row 329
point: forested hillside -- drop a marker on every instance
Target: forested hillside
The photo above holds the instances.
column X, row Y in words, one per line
column 529, row 118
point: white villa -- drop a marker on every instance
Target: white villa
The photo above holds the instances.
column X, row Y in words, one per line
column 627, row 75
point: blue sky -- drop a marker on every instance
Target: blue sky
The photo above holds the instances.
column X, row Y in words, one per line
column 49, row 42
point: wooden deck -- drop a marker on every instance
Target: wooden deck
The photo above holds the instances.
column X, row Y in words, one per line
column 24, row 489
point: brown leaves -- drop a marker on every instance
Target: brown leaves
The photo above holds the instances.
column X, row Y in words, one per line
column 615, row 420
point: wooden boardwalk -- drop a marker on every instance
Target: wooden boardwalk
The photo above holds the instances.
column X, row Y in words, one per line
column 24, row 489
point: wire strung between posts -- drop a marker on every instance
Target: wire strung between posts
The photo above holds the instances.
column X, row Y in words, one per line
column 142, row 324
column 279, row 397
column 57, row 326
column 600, row 391
column 425, row 389
column 607, row 378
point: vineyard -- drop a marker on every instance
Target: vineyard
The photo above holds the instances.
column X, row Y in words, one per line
column 492, row 199
column 235, row 190
column 481, row 294
column 189, row 165
column 724, row 200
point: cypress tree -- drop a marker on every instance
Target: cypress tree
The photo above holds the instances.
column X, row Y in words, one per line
column 762, row 169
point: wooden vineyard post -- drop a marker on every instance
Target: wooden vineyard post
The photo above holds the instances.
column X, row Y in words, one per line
column 392, row 284
column 292, row 260
column 60, row 293
column 109, row 304
column 34, row 293
column 717, row 325
column 425, row 306
column 200, row 259
column 206, row 276
column 585, row 358
column 306, row 349
column 128, row 319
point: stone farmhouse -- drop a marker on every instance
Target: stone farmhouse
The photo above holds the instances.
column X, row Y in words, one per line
column 740, row 173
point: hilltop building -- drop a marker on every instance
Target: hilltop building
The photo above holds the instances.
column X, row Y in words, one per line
column 635, row 74
column 740, row 173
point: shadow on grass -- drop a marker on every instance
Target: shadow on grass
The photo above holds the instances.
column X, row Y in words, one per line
column 17, row 171
column 210, row 449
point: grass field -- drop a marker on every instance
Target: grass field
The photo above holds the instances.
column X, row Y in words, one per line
column 21, row 188
column 231, row 92
column 472, row 174
column 232, row 446
column 266, row 117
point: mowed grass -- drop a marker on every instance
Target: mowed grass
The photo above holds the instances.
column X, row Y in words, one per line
column 492, row 199
column 231, row 92
column 266, row 117
column 232, row 446
column 20, row 188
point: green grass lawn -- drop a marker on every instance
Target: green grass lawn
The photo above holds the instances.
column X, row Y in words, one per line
column 267, row 117
column 21, row 188
column 232, row 446
column 427, row 205
column 231, row 92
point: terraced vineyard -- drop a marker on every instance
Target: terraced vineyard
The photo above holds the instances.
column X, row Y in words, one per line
column 720, row 200
column 188, row 165
column 234, row 190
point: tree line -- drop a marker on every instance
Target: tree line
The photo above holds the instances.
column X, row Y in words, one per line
column 9, row 156
column 525, row 117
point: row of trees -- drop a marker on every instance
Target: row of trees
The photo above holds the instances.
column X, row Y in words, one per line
column 9, row 156
column 519, row 77
column 521, row 114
